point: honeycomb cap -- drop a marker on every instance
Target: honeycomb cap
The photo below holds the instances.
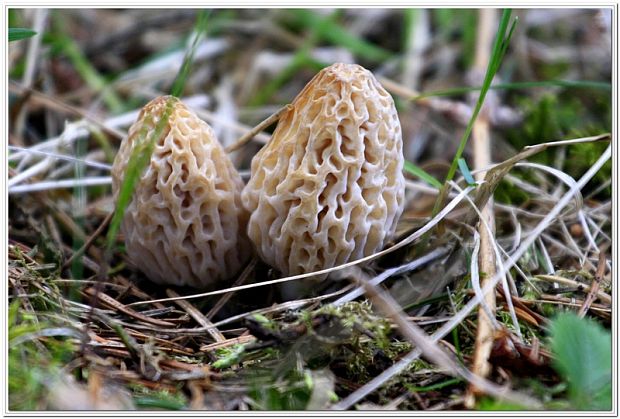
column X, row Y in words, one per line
column 185, row 224
column 328, row 188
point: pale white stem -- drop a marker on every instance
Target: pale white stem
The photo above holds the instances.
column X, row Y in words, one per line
column 34, row 170
column 60, row 157
column 59, row 184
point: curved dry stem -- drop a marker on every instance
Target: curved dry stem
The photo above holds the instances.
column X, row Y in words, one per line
column 409, row 239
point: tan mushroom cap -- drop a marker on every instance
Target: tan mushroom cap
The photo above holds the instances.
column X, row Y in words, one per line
column 185, row 224
column 328, row 188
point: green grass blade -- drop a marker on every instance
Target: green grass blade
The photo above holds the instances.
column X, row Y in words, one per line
column 17, row 34
column 141, row 153
column 79, row 201
column 499, row 48
column 506, row 41
column 409, row 18
column 437, row 386
column 301, row 58
column 140, row 157
column 336, row 34
column 88, row 73
column 466, row 172
column 200, row 30
column 422, row 174
column 470, row 23
column 158, row 403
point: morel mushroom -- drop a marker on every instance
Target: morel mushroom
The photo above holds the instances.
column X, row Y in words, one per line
column 185, row 224
column 328, row 188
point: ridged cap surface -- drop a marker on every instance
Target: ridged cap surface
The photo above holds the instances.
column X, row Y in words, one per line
column 185, row 224
column 328, row 188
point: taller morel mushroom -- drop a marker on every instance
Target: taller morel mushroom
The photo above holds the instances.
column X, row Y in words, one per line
column 328, row 188
column 185, row 224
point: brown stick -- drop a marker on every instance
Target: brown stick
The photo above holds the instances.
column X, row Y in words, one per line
column 242, row 278
column 112, row 303
column 266, row 123
column 603, row 296
column 458, row 111
column 600, row 272
column 482, row 158
column 198, row 316
column 89, row 241
column 227, row 343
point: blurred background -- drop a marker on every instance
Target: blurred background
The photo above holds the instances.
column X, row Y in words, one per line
column 108, row 62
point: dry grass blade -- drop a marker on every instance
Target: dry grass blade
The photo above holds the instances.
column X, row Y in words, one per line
column 414, row 264
column 592, row 294
column 481, row 141
column 60, row 184
column 198, row 316
column 114, row 304
column 498, row 251
column 242, row 278
column 499, row 171
column 458, row 317
column 409, row 239
column 432, row 351
column 51, row 101
column 258, row 128
column 89, row 241
column 34, row 45
column 604, row 297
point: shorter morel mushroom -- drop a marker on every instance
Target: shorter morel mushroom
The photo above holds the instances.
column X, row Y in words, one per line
column 328, row 188
column 185, row 224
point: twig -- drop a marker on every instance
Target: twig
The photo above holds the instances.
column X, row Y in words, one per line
column 482, row 158
column 261, row 126
column 414, row 334
column 459, row 111
column 197, row 401
column 130, row 343
column 240, row 128
column 603, row 296
column 198, row 316
column 228, row 342
column 242, row 278
column 89, row 241
column 570, row 302
column 112, row 303
column 600, row 272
